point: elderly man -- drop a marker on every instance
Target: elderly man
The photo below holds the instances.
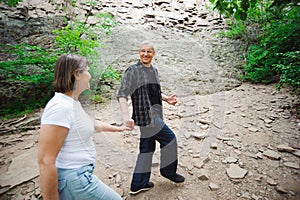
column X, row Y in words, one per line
column 141, row 83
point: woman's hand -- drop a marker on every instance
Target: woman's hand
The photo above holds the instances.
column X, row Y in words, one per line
column 105, row 127
column 125, row 128
column 129, row 123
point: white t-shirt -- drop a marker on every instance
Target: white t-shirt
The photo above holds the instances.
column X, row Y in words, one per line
column 78, row 148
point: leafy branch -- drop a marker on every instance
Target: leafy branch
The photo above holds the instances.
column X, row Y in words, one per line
column 272, row 53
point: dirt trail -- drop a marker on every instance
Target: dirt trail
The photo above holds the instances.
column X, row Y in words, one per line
column 220, row 123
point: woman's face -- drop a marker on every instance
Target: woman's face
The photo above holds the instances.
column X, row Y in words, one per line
column 83, row 80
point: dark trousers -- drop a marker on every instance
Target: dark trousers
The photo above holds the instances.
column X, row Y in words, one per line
column 158, row 131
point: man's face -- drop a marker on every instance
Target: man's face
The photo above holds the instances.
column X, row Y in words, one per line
column 146, row 54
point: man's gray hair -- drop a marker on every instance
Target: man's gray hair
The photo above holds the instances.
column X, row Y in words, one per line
column 147, row 43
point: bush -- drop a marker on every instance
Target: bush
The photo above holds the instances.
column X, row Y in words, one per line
column 11, row 3
column 273, row 54
column 29, row 70
column 26, row 78
column 278, row 52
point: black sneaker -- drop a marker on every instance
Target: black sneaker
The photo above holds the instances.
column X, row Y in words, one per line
column 145, row 188
column 177, row 179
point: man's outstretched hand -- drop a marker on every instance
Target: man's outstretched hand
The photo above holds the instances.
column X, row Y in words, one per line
column 172, row 100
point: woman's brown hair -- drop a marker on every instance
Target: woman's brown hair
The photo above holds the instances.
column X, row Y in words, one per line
column 64, row 74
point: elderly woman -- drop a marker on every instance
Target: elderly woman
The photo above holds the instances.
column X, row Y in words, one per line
column 66, row 151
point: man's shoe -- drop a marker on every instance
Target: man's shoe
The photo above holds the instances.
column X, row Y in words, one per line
column 145, row 188
column 177, row 178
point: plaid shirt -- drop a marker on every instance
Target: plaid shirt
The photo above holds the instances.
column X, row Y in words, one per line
column 134, row 84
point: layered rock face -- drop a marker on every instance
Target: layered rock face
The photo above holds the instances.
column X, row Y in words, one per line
column 32, row 21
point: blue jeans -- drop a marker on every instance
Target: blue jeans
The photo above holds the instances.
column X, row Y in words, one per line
column 83, row 184
column 158, row 131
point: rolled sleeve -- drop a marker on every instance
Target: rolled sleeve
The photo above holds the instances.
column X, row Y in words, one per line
column 126, row 85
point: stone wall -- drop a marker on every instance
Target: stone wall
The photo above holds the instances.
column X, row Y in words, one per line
column 18, row 26
column 32, row 21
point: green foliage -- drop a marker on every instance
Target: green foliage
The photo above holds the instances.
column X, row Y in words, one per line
column 236, row 8
column 107, row 22
column 33, row 66
column 29, row 73
column 82, row 38
column 96, row 98
column 289, row 71
column 238, row 30
column 31, row 63
column 109, row 74
column 273, row 52
column 244, row 9
column 76, row 37
column 247, row 28
column 102, row 83
column 257, row 68
column 279, row 45
column 11, row 3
